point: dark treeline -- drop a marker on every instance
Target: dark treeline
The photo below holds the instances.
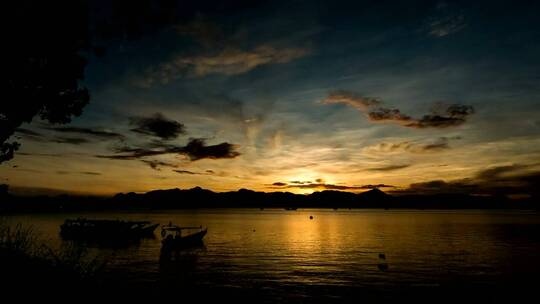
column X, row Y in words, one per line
column 202, row 198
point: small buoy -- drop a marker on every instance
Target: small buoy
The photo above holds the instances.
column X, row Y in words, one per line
column 311, row 217
column 253, row 230
column 382, row 256
column 383, row 266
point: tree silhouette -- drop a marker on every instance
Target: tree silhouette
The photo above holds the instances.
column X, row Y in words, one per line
column 45, row 43
column 42, row 65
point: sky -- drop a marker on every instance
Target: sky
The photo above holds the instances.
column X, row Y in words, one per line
column 303, row 96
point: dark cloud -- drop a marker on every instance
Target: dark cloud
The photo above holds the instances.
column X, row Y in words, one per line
column 300, row 182
column 41, row 154
column 377, row 186
column 196, row 149
column 453, row 115
column 439, row 144
column 496, row 173
column 384, row 114
column 157, row 125
column 90, row 173
column 134, row 153
column 389, row 168
column 459, row 110
column 207, row 172
column 442, row 143
column 82, row 172
column 322, row 185
column 185, row 172
column 70, row 140
column 88, row 131
column 517, row 179
column 440, row 186
column 156, row 164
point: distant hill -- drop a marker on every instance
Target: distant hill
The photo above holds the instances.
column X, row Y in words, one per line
column 202, row 198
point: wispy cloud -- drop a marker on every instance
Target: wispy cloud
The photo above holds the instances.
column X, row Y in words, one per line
column 230, row 61
column 204, row 32
column 88, row 131
column 30, row 135
column 354, row 100
column 89, row 134
column 447, row 25
column 28, row 132
column 157, row 164
column 446, row 19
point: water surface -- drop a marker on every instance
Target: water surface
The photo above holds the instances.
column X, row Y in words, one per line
column 336, row 256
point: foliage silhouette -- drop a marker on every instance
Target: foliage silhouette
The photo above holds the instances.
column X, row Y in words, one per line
column 42, row 65
column 46, row 45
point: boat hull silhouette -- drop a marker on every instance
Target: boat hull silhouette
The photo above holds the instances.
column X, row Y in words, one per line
column 175, row 243
column 104, row 230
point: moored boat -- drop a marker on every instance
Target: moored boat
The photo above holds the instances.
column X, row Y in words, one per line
column 176, row 237
column 100, row 230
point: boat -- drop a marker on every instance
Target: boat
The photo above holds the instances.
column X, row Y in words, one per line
column 176, row 237
column 291, row 208
column 100, row 230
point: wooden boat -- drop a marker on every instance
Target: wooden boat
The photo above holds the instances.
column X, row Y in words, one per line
column 176, row 238
column 101, row 230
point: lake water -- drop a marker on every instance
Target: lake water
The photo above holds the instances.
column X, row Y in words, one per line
column 278, row 255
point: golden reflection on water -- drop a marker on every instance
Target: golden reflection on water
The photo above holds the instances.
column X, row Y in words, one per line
column 344, row 247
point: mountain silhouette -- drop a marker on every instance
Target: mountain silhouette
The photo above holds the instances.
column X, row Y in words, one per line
column 244, row 198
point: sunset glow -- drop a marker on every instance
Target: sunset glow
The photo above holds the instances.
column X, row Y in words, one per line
column 338, row 104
